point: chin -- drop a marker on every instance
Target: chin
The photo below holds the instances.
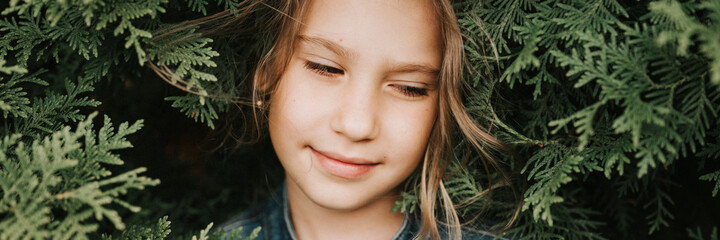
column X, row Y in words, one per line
column 341, row 196
column 339, row 204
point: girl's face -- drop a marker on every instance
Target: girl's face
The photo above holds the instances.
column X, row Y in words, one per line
column 353, row 111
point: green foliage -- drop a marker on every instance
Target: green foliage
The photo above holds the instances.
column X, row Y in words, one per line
column 688, row 27
column 234, row 234
column 14, row 101
column 714, row 176
column 59, row 176
column 189, row 53
column 637, row 83
column 712, row 151
column 160, row 230
column 196, row 108
column 550, row 175
column 46, row 113
column 582, row 226
column 697, row 235
column 95, row 15
column 608, row 103
column 10, row 69
column 407, row 205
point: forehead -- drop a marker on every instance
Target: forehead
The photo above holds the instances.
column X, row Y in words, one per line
column 400, row 30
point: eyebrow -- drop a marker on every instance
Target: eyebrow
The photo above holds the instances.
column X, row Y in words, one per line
column 421, row 68
column 343, row 52
column 330, row 45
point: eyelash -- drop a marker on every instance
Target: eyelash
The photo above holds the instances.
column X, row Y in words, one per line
column 323, row 70
column 328, row 71
column 411, row 91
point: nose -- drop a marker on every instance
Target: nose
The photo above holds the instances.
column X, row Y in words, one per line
column 356, row 113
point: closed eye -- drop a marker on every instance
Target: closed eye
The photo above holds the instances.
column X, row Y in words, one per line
column 323, row 70
column 412, row 92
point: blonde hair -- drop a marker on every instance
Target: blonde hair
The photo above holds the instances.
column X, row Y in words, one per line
column 452, row 117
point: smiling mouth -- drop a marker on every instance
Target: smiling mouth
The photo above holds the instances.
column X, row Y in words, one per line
column 343, row 167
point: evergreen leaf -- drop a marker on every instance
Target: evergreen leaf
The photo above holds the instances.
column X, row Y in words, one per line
column 31, row 178
column 713, row 176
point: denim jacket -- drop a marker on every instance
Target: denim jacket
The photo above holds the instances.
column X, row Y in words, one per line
column 274, row 218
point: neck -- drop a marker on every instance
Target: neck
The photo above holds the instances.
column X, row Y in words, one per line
column 312, row 221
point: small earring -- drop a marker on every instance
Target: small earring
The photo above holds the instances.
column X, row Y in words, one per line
column 259, row 103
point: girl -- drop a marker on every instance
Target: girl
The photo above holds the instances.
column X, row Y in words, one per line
column 359, row 95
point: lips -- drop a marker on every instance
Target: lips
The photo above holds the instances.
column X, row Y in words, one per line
column 341, row 166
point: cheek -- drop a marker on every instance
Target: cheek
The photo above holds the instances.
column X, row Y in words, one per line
column 287, row 99
column 285, row 120
column 295, row 110
column 409, row 127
